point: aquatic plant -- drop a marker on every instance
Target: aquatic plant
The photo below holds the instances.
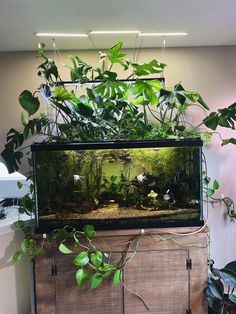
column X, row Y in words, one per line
column 54, row 188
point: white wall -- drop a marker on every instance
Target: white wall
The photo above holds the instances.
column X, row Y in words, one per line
column 14, row 280
column 209, row 70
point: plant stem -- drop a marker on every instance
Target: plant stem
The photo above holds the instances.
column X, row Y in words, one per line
column 151, row 112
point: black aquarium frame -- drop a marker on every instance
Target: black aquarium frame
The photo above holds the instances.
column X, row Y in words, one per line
column 117, row 223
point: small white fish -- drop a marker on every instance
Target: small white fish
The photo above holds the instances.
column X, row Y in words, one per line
column 193, row 202
column 166, row 197
column 77, row 177
column 141, row 177
column 169, row 197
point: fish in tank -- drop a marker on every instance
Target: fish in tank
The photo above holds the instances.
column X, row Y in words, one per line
column 119, row 184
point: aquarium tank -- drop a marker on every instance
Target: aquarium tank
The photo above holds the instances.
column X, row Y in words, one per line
column 122, row 184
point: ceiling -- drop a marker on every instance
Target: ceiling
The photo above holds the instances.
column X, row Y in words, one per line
column 208, row 22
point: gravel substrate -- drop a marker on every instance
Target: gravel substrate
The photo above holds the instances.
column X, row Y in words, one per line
column 114, row 212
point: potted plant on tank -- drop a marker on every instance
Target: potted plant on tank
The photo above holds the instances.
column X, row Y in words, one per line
column 108, row 149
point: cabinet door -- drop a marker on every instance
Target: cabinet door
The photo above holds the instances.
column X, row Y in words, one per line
column 44, row 285
column 161, row 279
column 106, row 299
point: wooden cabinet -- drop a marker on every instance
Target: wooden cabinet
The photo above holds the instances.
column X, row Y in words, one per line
column 168, row 272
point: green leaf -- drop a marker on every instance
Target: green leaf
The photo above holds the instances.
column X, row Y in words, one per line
column 96, row 280
column 62, row 94
column 202, row 102
column 224, row 122
column 212, row 120
column 24, row 246
column 216, row 288
column 64, row 249
column 89, row 231
column 85, row 109
column 37, row 252
column 147, row 89
column 180, row 128
column 229, row 141
column 110, row 88
column 24, row 119
column 19, row 184
column 231, row 266
column 117, row 277
column 216, row 185
column 96, row 258
column 29, row 102
column 62, row 234
column 17, row 257
column 106, row 267
column 210, row 192
column 115, row 56
column 19, row 224
column 31, row 188
column 148, row 68
column 81, row 276
column 207, row 180
column 81, row 259
column 21, row 210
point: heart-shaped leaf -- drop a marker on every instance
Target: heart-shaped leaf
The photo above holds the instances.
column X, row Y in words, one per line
column 216, row 185
column 29, row 102
column 81, row 259
column 96, row 280
column 96, row 258
column 81, row 276
column 64, row 249
column 89, row 231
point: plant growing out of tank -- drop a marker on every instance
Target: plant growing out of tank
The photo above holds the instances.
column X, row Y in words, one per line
column 109, row 109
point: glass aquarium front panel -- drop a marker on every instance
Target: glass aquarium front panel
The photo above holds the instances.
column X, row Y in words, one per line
column 118, row 185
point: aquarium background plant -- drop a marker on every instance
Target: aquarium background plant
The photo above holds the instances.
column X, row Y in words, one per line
column 98, row 184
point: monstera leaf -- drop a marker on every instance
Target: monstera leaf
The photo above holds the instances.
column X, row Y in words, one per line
column 153, row 67
column 115, row 56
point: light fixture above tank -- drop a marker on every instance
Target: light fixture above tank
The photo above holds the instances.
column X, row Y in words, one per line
column 61, row 35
